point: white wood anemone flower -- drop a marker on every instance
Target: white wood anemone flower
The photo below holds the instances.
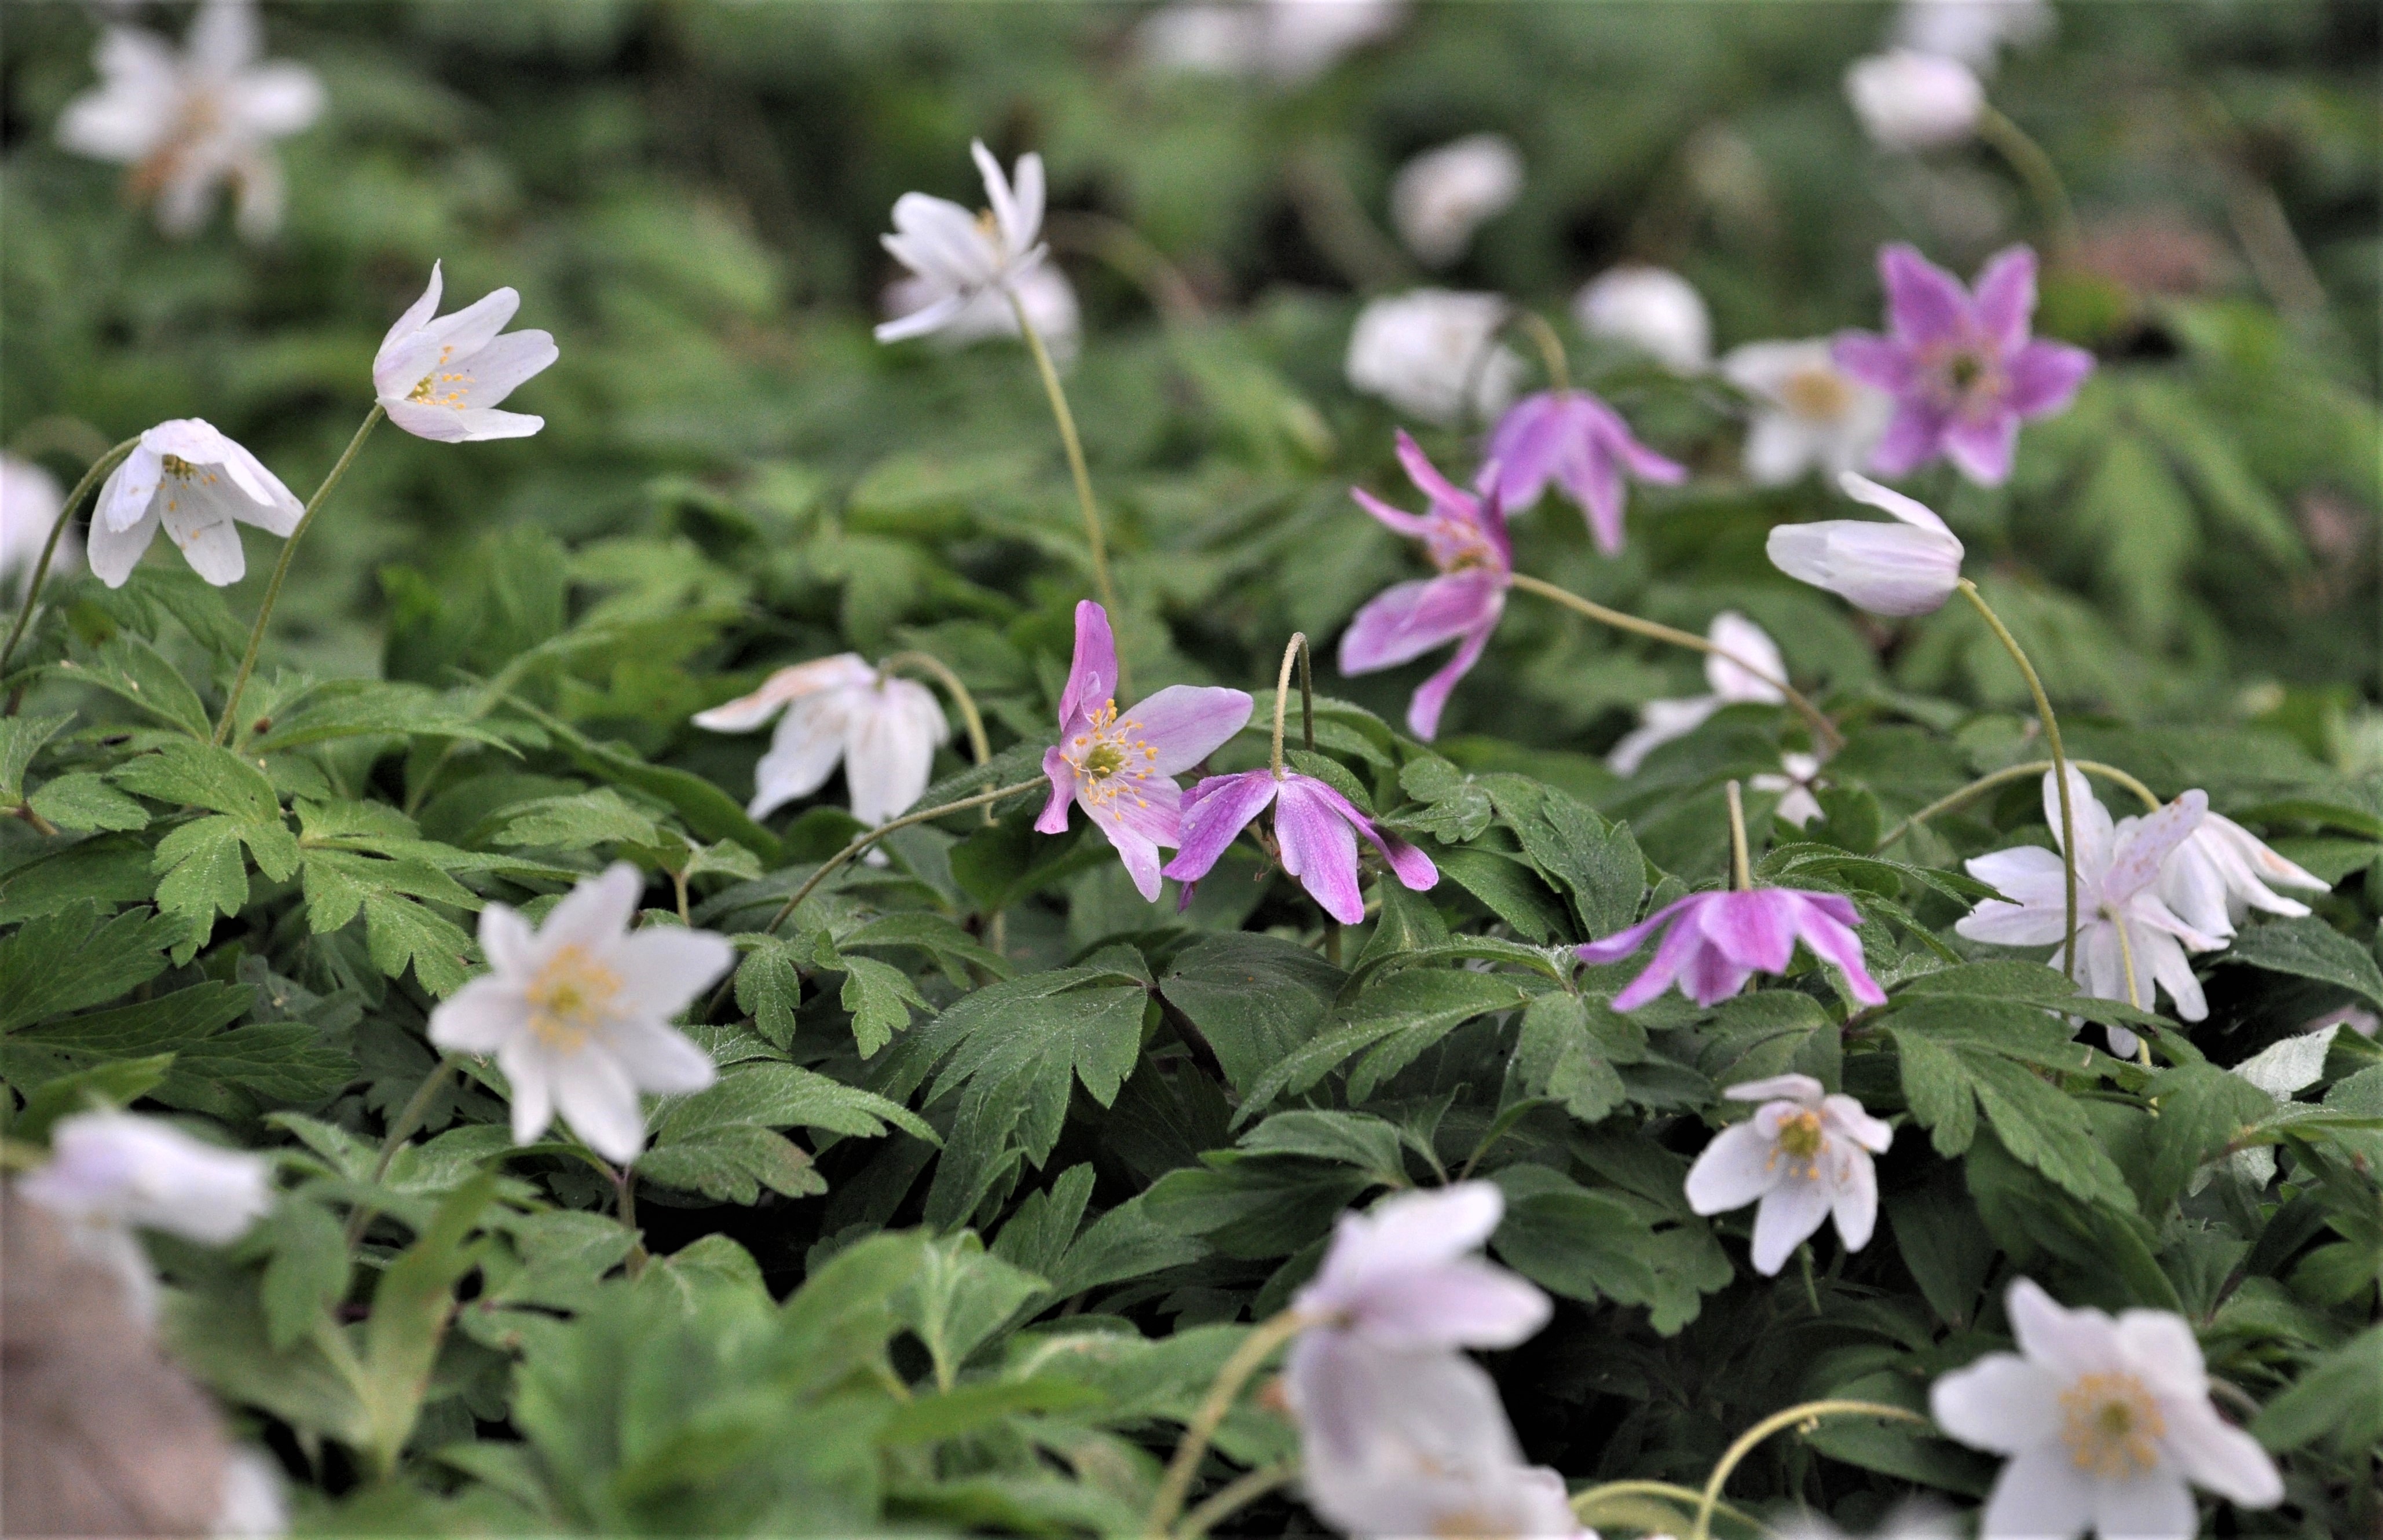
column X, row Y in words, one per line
column 187, row 477
column 1440, row 198
column 1909, row 567
column 1808, row 413
column 2107, row 1423
column 1661, row 722
column 441, row 380
column 1434, row 353
column 577, row 1011
column 1652, row 310
column 29, row 504
column 883, row 728
column 187, row 122
column 1804, row 1156
column 960, row 256
column 2223, row 871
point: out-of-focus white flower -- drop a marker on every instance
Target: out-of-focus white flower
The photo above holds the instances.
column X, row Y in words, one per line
column 1913, row 101
column 1660, row 721
column 1440, row 198
column 960, row 257
column 1403, row 1277
column 1803, row 1156
column 1434, row 353
column 1288, row 41
column 2358, row 1019
column 111, row 1173
column 577, row 1011
column 442, row 378
column 1907, row 567
column 1813, row 414
column 1973, row 30
column 1049, row 299
column 883, row 727
column 195, row 481
column 2224, row 871
column 252, row 1507
column 187, row 122
column 1798, row 774
column 1912, row 1521
column 2107, row 1423
column 30, row 505
column 1651, row 309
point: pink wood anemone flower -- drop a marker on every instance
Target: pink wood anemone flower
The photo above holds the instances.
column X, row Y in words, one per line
column 1961, row 366
column 1466, row 537
column 1120, row 768
column 1316, row 826
column 1717, row 941
column 1581, row 444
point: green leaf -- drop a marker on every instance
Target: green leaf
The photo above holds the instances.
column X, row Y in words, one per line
column 709, row 811
column 410, row 1312
column 1357, row 1140
column 20, row 737
column 1567, row 1050
column 2342, row 1394
column 783, row 1096
column 118, row 1084
column 732, row 1163
column 367, row 707
column 130, row 668
column 599, row 816
column 1397, row 1019
column 1597, row 862
column 275, row 1061
column 1455, row 807
column 960, row 1297
column 1253, row 998
column 170, row 1022
column 307, row 1273
column 68, row 958
column 770, row 988
column 2309, row 948
column 85, row 801
column 1508, row 887
column 880, row 998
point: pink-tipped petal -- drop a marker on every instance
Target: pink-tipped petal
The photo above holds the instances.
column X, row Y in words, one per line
column 1913, row 438
column 1624, row 944
column 1406, row 621
column 1431, row 696
column 1319, row 848
column 1092, row 676
column 1593, row 478
column 1412, row 525
column 1832, row 942
column 1426, row 477
column 1682, row 943
column 2005, row 297
column 1187, row 723
column 1874, row 360
column 1052, row 819
column 1983, row 448
column 1215, row 812
column 1753, row 930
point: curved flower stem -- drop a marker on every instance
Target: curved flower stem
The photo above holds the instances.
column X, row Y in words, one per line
column 1551, row 349
column 1824, row 731
column 1297, row 649
column 1075, row 448
column 281, row 572
column 1741, row 874
column 400, row 1129
column 2034, row 167
column 1583, row 1503
column 99, row 468
column 2060, row 769
column 1808, row 1411
column 1235, row 1495
column 1259, row 1346
column 1986, row 784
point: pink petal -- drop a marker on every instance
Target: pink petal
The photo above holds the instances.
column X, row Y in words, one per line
column 1052, row 819
column 1593, row 480
column 1751, row 930
column 1319, row 848
column 1137, row 827
column 1412, row 525
column 1091, row 678
column 1710, row 976
column 2005, row 297
column 2044, row 377
column 1912, row 439
column 1425, row 475
column 1621, row 943
column 1431, row 696
column 1522, row 452
column 1874, row 360
column 1924, row 303
column 1215, row 812
column 1832, row 942
column 1187, row 723
column 1680, row 945
column 1405, row 622
column 1983, row 448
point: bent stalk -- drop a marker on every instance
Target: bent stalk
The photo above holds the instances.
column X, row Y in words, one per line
column 1986, row 784
column 99, row 468
column 2060, row 769
column 1741, row 873
column 1808, row 1411
column 1254, row 1351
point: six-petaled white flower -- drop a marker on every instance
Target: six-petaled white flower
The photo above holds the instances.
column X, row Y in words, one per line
column 195, row 483
column 1434, row 353
column 577, row 1011
column 1804, row 1155
column 442, row 378
column 1440, row 198
column 1651, row 309
column 960, row 258
column 883, row 728
column 2107, row 1423
column 188, row 122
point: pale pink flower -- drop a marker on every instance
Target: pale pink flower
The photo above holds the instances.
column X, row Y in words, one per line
column 1315, row 827
column 1909, row 567
column 1714, row 941
column 1577, row 441
column 441, row 380
column 883, row 728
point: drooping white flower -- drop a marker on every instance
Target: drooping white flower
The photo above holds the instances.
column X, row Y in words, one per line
column 1812, row 415
column 1911, row 101
column 1651, row 309
column 1288, row 41
column 1434, row 353
column 1401, row 1276
column 883, row 727
column 441, row 380
column 2222, row 871
column 1907, row 568
column 2128, row 937
column 187, row 477
column 1660, row 721
column 1973, row 31
column 111, row 1173
column 2107, row 1423
column 1043, row 290
column 1798, row 774
column 960, row 257
column 187, row 122
column 1804, row 1156
column 1440, row 198
column 577, row 1011
column 30, row 505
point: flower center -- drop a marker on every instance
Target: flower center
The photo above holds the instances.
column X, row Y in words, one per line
column 1968, row 378
column 441, row 389
column 1800, row 1138
column 1819, row 395
column 2109, row 1422
column 1110, row 757
column 570, row 996
column 1468, row 1523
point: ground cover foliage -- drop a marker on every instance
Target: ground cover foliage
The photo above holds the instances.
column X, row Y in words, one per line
column 1003, row 1161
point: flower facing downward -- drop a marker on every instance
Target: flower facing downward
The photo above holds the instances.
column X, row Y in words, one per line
column 1401, row 1276
column 29, row 504
column 1660, row 721
column 1809, row 412
column 1651, row 309
column 1804, row 1156
column 1434, row 353
column 1961, row 366
column 960, row 257
column 883, row 728
column 196, row 483
column 1913, row 101
column 2107, row 1423
column 1466, row 537
column 1714, row 941
column 188, row 122
column 1120, row 768
column 442, row 378
column 1907, row 568
column 1440, row 198
column 2222, row 871
column 1316, row 827
column 577, row 1011
column 2128, row 938
column 1582, row 445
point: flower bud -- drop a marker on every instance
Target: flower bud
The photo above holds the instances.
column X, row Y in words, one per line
column 1651, row 309
column 1908, row 568
column 1913, row 101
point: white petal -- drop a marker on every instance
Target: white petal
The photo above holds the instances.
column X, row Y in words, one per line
column 2156, row 1505
column 1790, row 1213
column 1854, row 1203
column 661, row 1059
column 530, row 1073
column 210, row 543
column 482, row 1017
column 2001, row 1403
column 277, row 98
column 803, row 752
column 596, row 914
column 1747, row 642
column 889, row 751
column 2219, row 1457
column 2066, row 1342
column 1792, row 1087
column 2041, row 1496
column 1660, row 721
column 1910, row 510
column 843, row 670
column 1735, row 1169
column 506, row 939
column 663, row 967
column 417, row 317
column 497, row 370
column 593, row 1091
column 125, row 497
column 113, row 553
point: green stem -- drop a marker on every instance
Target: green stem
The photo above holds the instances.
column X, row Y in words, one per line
column 1296, row 650
column 1551, row 349
column 1584, row 1504
column 1824, row 731
column 1259, row 1346
column 281, row 572
column 1808, row 1411
column 408, row 1119
column 1075, row 448
column 1233, row 1496
column 2059, row 769
column 2036, row 169
column 1741, row 874
column 1986, row 784
column 99, row 468
column 625, row 1185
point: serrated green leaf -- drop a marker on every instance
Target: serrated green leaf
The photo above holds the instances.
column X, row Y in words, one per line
column 84, row 801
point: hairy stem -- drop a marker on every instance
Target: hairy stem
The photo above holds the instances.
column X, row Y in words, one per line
column 1986, row 784
column 1741, row 874
column 1234, row 1495
column 99, row 468
column 1254, row 1351
column 1808, row 1411
column 1094, row 535
column 2059, row 769
column 1296, row 650
column 281, row 572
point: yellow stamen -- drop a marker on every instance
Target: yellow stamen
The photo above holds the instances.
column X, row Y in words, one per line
column 570, row 997
column 2111, row 1423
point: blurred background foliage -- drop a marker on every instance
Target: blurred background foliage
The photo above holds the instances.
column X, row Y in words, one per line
column 688, row 195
